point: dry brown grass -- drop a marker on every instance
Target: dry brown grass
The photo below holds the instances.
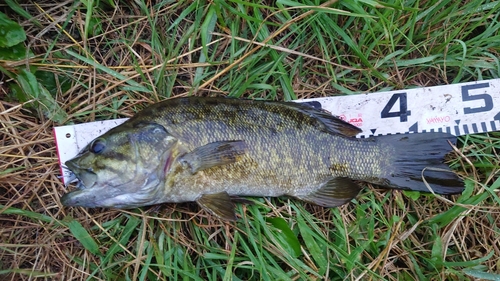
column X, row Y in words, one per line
column 29, row 182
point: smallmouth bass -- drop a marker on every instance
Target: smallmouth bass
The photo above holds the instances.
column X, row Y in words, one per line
column 210, row 149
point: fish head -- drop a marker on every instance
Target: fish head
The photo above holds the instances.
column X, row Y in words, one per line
column 123, row 168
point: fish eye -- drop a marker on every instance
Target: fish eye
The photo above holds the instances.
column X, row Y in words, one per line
column 97, row 146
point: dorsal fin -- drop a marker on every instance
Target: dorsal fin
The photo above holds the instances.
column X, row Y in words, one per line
column 330, row 123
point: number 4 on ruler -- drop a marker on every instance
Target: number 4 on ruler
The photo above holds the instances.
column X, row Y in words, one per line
column 403, row 112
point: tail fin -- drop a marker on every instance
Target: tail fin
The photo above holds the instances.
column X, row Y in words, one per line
column 414, row 153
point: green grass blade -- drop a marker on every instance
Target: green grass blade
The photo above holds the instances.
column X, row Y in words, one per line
column 82, row 235
column 109, row 71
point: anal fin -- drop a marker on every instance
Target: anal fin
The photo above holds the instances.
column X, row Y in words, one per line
column 218, row 204
column 334, row 193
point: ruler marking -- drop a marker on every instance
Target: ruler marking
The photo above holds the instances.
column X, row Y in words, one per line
column 466, row 129
column 483, row 127
column 493, row 125
column 474, row 128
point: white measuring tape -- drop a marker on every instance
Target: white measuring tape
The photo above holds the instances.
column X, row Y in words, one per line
column 459, row 109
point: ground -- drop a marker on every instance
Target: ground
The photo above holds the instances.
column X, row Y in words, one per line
column 95, row 60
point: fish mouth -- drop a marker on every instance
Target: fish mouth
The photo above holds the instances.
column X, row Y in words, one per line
column 86, row 177
column 88, row 196
column 91, row 194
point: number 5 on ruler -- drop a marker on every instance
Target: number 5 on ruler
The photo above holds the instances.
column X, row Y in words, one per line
column 466, row 96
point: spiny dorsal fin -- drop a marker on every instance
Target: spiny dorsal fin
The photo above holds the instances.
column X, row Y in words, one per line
column 331, row 123
column 218, row 204
column 334, row 193
column 214, row 154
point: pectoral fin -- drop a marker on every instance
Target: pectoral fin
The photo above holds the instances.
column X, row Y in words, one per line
column 214, row 154
column 333, row 193
column 218, row 204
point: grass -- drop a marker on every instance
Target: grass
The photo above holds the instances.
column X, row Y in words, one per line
column 94, row 60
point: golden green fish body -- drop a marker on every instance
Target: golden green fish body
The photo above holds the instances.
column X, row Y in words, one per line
column 287, row 153
column 206, row 149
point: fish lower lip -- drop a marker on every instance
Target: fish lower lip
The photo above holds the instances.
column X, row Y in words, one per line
column 65, row 199
column 79, row 198
column 68, row 199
